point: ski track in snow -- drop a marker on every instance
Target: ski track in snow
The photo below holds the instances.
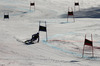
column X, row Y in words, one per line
column 68, row 51
column 42, row 54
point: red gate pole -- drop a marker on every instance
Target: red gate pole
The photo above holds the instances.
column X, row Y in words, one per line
column 92, row 46
column 83, row 47
column 73, row 18
column 70, row 13
column 73, row 15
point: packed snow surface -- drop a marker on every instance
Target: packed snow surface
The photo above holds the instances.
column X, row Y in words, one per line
column 65, row 39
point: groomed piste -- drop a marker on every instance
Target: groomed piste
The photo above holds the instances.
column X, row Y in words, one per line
column 66, row 27
column 75, row 50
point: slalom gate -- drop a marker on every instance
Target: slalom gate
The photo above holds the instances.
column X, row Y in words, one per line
column 68, row 51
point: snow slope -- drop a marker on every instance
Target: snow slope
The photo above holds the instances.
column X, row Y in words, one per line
column 66, row 39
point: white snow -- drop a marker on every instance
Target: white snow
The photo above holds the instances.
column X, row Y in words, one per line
column 65, row 39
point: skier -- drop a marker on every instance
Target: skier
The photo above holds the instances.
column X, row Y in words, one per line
column 34, row 38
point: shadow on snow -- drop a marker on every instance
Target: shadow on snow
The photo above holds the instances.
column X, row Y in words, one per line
column 93, row 12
